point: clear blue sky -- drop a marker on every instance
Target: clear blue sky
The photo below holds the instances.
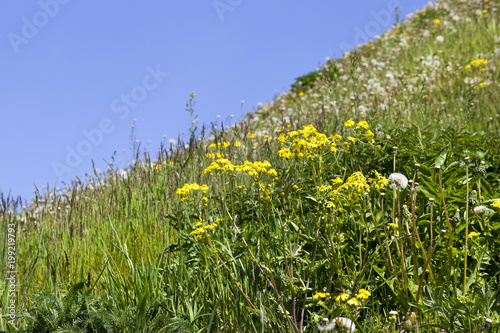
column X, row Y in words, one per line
column 75, row 74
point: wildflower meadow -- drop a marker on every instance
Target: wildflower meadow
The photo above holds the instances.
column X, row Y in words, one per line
column 364, row 199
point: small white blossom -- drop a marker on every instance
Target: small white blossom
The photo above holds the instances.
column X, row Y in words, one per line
column 439, row 39
column 480, row 209
column 399, row 180
column 172, row 142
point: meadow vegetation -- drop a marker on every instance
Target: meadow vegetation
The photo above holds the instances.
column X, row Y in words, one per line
column 368, row 195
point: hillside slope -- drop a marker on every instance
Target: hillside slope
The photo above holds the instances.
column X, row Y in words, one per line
column 255, row 227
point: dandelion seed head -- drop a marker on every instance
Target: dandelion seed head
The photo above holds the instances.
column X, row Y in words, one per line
column 399, row 180
column 480, row 209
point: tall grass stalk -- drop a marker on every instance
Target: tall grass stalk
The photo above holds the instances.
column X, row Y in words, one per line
column 466, row 222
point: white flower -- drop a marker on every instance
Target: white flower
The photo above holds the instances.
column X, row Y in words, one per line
column 439, row 39
column 339, row 321
column 480, row 209
column 399, row 180
column 172, row 142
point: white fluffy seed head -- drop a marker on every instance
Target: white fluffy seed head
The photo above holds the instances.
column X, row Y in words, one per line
column 398, row 180
column 480, row 209
column 340, row 321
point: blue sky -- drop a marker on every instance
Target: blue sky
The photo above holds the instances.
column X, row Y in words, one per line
column 75, row 74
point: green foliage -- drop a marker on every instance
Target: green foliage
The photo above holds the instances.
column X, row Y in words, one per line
column 295, row 223
column 305, row 82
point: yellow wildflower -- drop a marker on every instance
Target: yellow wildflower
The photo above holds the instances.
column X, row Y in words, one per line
column 478, row 62
column 349, row 123
column 336, row 181
column 187, row 188
column 496, row 204
column 473, row 234
column 342, row 297
column 353, row 301
column 362, row 124
column 321, row 295
column 363, row 293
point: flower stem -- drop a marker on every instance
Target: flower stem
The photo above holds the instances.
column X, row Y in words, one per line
column 466, row 222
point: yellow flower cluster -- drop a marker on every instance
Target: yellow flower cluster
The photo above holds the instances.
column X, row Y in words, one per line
column 362, row 124
column 356, row 183
column 324, row 188
column 214, row 155
column 362, row 294
column 478, row 62
column 349, row 123
column 202, row 229
column 187, row 188
column 473, row 234
column 379, row 181
column 158, row 166
column 496, row 204
column 250, row 168
column 306, row 143
column 222, row 145
column 342, row 296
column 355, row 186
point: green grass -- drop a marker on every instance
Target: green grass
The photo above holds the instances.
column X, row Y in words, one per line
column 116, row 252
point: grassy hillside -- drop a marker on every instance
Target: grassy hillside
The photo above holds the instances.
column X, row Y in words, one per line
column 372, row 185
